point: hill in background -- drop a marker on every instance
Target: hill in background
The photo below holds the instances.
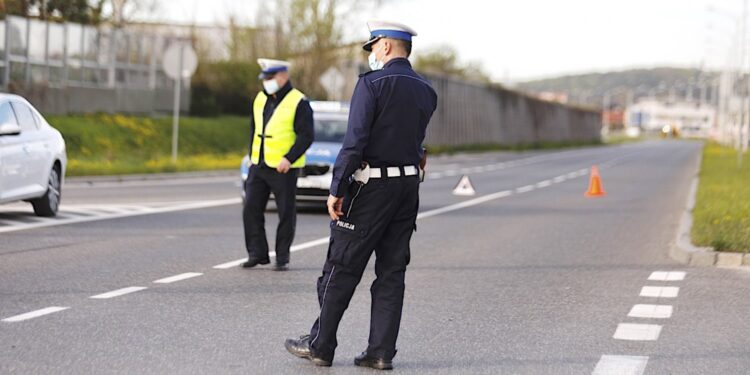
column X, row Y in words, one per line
column 622, row 86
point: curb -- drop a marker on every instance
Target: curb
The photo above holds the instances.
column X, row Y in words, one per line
column 150, row 176
column 685, row 252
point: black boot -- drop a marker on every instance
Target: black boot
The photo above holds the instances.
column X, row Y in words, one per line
column 281, row 267
column 301, row 348
column 364, row 360
column 252, row 262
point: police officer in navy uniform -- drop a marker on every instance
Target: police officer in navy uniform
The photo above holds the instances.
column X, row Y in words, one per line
column 281, row 129
column 374, row 198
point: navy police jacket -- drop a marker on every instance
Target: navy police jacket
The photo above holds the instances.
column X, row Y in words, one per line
column 388, row 117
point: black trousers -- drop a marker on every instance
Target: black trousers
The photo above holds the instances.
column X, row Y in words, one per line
column 381, row 217
column 261, row 182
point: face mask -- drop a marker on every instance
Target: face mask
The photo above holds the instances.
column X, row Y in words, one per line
column 271, row 86
column 373, row 61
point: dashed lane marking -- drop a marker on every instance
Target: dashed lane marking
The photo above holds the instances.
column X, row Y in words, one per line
column 35, row 314
column 660, row 291
column 637, row 332
column 620, row 365
column 119, row 292
column 180, row 277
column 651, row 311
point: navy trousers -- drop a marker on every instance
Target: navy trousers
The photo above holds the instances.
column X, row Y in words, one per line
column 261, row 182
column 379, row 217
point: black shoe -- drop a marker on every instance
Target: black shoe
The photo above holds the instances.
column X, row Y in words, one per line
column 301, row 348
column 364, row 360
column 252, row 262
column 281, row 267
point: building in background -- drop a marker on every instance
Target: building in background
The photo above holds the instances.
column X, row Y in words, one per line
column 690, row 119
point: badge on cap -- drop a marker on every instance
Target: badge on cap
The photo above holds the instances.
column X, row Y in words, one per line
column 387, row 29
column 269, row 67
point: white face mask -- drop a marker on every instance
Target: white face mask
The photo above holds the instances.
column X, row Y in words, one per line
column 373, row 61
column 271, row 86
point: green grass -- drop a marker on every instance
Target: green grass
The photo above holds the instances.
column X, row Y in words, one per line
column 102, row 144
column 722, row 209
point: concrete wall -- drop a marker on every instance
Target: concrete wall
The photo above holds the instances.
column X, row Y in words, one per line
column 477, row 114
column 64, row 100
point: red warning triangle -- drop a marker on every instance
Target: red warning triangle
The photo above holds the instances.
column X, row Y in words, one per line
column 464, row 187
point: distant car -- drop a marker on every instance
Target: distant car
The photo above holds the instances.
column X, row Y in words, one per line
column 32, row 157
column 315, row 178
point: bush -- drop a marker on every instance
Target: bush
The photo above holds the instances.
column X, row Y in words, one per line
column 225, row 87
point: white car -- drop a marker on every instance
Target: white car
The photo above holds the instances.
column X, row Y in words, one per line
column 32, row 157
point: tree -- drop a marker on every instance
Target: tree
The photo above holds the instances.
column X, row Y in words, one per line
column 443, row 60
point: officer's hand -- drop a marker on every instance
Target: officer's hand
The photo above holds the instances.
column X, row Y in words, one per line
column 284, row 166
column 335, row 206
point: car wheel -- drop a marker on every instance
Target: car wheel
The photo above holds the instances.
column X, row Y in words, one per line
column 48, row 204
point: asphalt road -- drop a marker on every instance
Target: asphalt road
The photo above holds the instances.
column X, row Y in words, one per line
column 526, row 277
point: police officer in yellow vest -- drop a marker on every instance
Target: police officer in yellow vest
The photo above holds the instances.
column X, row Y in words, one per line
column 281, row 128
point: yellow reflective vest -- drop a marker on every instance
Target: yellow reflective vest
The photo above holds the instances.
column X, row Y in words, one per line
column 279, row 134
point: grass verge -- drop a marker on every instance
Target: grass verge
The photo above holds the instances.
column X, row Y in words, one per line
column 721, row 217
column 102, row 144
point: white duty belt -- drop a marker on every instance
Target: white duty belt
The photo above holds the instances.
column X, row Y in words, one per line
column 409, row 170
column 365, row 174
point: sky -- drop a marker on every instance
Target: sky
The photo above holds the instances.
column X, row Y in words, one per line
column 522, row 40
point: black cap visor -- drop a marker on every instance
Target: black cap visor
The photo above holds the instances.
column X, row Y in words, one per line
column 368, row 45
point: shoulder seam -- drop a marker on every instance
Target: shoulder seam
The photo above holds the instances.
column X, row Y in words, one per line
column 402, row 75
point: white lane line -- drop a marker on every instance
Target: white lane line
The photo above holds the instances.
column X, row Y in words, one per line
column 651, row 311
column 272, row 254
column 464, row 204
column 119, row 292
column 637, row 332
column 525, row 189
column 543, row 184
column 34, row 314
column 180, row 277
column 179, row 207
column 231, row 264
column 559, row 179
column 620, row 365
column 667, row 276
column 660, row 291
column 572, row 175
column 450, row 173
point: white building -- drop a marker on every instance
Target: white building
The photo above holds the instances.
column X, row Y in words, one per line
column 691, row 119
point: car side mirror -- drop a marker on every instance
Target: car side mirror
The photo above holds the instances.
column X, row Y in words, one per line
column 9, row 129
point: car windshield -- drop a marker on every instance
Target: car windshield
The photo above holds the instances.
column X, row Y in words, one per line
column 330, row 130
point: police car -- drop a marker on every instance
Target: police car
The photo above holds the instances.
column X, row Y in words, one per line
column 314, row 181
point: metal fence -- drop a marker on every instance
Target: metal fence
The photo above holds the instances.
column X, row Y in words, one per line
column 69, row 58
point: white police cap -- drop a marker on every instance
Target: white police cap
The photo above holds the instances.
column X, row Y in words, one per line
column 269, row 67
column 387, row 29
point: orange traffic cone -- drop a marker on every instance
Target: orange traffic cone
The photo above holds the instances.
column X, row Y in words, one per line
column 595, row 184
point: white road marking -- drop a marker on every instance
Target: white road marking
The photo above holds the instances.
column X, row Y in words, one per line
column 660, row 291
column 464, row 204
column 180, row 206
column 180, row 277
column 667, row 276
column 620, row 365
column 231, row 264
column 34, row 314
column 651, row 311
column 637, row 332
column 119, row 292
column 525, row 189
column 543, row 184
column 572, row 175
column 559, row 179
